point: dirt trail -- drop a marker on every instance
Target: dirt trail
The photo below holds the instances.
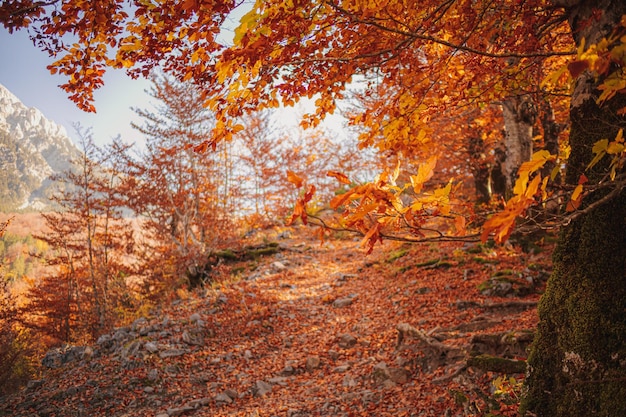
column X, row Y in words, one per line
column 311, row 331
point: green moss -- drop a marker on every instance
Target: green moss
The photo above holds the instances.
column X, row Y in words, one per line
column 497, row 364
column 481, row 260
column 575, row 360
column 397, row 255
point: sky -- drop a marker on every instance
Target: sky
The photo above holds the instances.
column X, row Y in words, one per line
column 23, row 72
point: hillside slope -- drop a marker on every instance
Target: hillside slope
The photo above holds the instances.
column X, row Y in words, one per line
column 311, row 331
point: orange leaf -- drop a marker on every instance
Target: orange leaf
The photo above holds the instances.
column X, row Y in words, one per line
column 341, row 177
column 459, row 225
column 294, row 179
column 341, row 199
column 371, row 237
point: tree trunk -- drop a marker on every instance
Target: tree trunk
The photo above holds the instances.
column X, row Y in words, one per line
column 519, row 117
column 479, row 167
column 577, row 364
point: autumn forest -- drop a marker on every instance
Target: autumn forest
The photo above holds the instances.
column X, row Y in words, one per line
column 457, row 248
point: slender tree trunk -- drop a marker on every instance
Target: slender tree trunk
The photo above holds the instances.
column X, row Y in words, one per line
column 577, row 365
column 479, row 167
column 519, row 117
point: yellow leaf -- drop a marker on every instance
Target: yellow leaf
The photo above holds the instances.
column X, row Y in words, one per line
column 577, row 192
column 424, row 173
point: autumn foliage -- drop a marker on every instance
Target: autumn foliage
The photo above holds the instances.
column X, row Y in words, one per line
column 473, row 108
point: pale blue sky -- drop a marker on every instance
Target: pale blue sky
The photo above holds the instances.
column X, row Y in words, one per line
column 23, row 71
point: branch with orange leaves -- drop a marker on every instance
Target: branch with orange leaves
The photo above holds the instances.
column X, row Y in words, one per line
column 377, row 211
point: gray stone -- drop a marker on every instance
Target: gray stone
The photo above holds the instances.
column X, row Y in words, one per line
column 279, row 380
column 343, row 302
column 194, row 317
column 223, row 398
column 231, row 393
column 261, row 388
column 382, row 373
column 153, row 375
column 174, row 412
column 171, row 353
column 347, row 341
column 200, row 402
column 52, row 359
column 195, row 338
column 151, row 347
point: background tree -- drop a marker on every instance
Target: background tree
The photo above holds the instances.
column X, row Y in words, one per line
column 184, row 198
column 89, row 239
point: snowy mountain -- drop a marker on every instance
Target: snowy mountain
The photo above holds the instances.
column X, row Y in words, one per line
column 31, row 149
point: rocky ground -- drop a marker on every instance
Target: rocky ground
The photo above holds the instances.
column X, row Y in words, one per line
column 315, row 331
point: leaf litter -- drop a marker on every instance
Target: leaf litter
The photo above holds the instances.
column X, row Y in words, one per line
column 312, row 331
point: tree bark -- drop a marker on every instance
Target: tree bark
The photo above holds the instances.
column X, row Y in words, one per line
column 519, row 117
column 577, row 364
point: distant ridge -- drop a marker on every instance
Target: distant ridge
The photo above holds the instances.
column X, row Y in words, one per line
column 31, row 149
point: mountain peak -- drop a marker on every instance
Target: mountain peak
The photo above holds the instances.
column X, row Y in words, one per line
column 32, row 148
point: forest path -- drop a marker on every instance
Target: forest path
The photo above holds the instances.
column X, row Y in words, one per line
column 310, row 331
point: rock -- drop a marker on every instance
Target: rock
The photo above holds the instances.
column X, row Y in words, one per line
column 148, row 390
column 247, row 355
column 174, row 412
column 333, row 354
column 171, row 353
column 349, row 381
column 200, row 402
column 195, row 338
column 288, row 371
column 312, row 363
column 34, row 384
column 278, row 266
column 223, row 398
column 341, row 369
column 105, row 341
column 57, row 357
column 261, row 388
column 382, row 373
column 52, row 359
column 194, row 317
column 151, row 347
column 132, row 348
column 347, row 341
column 343, row 302
column 278, row 380
column 120, row 334
column 231, row 393
column 140, row 322
column 153, row 375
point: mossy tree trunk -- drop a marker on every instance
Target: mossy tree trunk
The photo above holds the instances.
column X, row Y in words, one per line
column 577, row 364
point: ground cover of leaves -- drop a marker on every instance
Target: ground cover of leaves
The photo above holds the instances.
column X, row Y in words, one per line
column 312, row 331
